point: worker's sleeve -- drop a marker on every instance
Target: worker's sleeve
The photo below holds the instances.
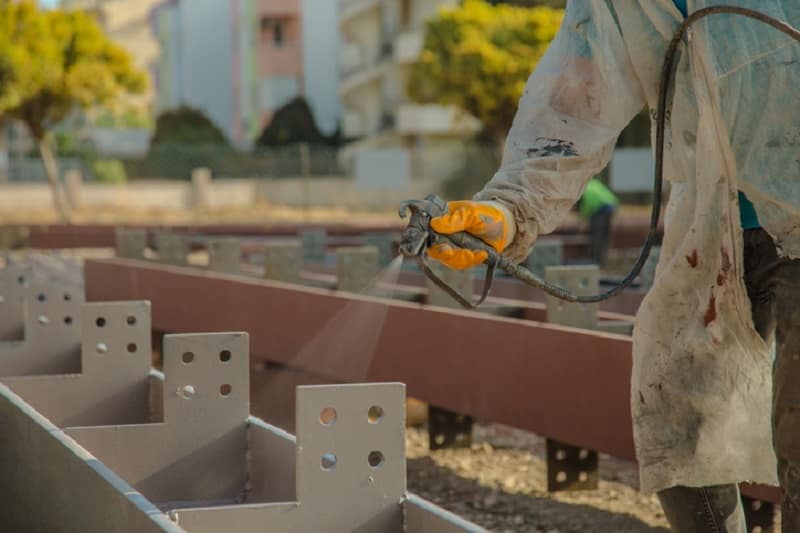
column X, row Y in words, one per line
column 581, row 95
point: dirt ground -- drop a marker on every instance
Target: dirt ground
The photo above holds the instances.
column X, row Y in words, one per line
column 500, row 483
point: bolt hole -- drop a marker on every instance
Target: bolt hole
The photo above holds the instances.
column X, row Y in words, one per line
column 225, row 390
column 67, row 297
column 225, row 356
column 327, row 416
column 131, row 320
column 375, row 459
column 561, row 455
column 187, row 392
column 583, row 477
column 187, row 357
column 328, row 461
column 100, row 322
column 102, row 348
column 43, row 320
column 41, row 297
column 21, row 280
column 131, row 347
column 583, row 454
column 561, row 477
column 374, row 414
column 68, row 320
column 584, row 283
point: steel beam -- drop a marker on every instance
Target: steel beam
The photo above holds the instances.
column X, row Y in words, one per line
column 505, row 370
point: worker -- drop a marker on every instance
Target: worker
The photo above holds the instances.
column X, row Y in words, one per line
column 702, row 386
column 597, row 206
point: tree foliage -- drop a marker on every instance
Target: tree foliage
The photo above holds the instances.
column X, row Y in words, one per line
column 186, row 125
column 293, row 123
column 478, row 57
column 52, row 63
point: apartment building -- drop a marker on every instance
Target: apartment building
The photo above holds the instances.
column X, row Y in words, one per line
column 241, row 60
column 381, row 41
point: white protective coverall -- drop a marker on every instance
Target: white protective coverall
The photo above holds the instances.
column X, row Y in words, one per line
column 701, row 387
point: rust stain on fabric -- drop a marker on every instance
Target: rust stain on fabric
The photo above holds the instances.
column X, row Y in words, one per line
column 692, row 259
column 725, row 269
column 711, row 313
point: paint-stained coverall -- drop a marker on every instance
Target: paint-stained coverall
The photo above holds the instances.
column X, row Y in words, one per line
column 702, row 375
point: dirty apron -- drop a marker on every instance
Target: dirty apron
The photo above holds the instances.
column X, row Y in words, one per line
column 701, row 385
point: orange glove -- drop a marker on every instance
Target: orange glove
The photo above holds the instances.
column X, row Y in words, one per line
column 484, row 220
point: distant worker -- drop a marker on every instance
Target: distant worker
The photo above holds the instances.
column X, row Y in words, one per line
column 597, row 206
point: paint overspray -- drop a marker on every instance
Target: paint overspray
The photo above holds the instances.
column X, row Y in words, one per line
column 349, row 339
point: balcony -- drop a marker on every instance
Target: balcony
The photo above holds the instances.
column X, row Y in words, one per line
column 415, row 119
column 352, row 58
column 408, row 47
column 349, row 9
column 371, row 72
column 353, row 125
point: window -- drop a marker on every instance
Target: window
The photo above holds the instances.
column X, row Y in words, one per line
column 274, row 31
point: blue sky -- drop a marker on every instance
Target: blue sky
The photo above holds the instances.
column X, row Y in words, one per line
column 48, row 3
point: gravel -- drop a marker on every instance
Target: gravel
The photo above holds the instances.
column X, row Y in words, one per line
column 500, row 484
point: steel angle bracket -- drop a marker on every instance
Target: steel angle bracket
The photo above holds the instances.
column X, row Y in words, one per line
column 224, row 255
column 198, row 453
column 350, row 469
column 51, row 325
column 112, row 387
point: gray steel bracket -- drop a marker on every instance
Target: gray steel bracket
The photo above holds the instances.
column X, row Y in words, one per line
column 581, row 280
column 112, row 387
column 546, row 253
column 224, row 255
column 52, row 324
column 198, row 453
column 357, row 268
column 130, row 243
column 447, row 429
column 350, row 469
column 172, row 248
column 570, row 468
column 283, row 261
column 314, row 243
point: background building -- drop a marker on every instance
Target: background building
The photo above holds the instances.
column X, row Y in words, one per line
column 240, row 61
column 381, row 40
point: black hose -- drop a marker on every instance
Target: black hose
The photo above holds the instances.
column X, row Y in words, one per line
column 528, row 277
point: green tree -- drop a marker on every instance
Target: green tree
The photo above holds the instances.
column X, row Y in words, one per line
column 186, row 125
column 478, row 57
column 53, row 63
column 293, row 123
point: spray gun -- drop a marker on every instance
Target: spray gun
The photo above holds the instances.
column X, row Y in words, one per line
column 419, row 235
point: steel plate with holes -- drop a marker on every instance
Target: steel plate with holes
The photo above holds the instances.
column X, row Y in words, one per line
column 112, row 387
column 51, row 342
column 198, row 453
column 350, row 467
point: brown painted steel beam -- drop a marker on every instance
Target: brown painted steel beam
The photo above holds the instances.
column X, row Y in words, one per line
column 568, row 384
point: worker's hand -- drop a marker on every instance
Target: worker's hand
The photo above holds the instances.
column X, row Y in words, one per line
column 485, row 220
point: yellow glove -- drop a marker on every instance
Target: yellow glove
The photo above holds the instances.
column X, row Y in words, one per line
column 484, row 220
